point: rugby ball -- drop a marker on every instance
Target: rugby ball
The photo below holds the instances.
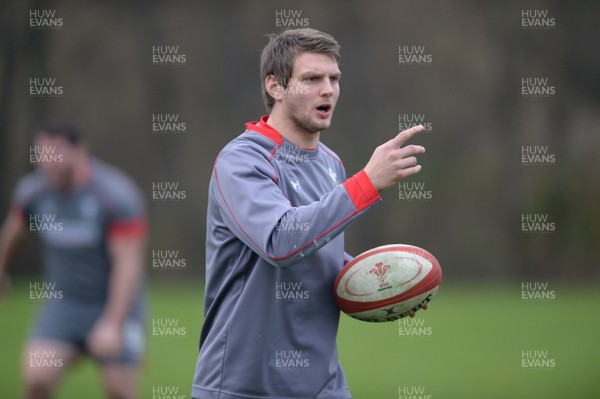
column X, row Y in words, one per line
column 387, row 283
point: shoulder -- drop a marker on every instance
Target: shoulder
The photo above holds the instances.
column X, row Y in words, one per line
column 246, row 159
column 30, row 187
column 111, row 178
column 249, row 149
column 114, row 187
column 329, row 153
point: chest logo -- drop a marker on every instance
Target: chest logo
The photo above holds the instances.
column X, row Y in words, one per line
column 333, row 176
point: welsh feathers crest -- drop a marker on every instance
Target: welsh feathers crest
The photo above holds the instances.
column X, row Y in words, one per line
column 380, row 272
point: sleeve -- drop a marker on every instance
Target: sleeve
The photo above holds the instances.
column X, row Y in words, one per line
column 127, row 216
column 23, row 196
column 254, row 208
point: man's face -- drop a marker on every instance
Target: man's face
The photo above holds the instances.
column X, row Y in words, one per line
column 312, row 92
column 61, row 162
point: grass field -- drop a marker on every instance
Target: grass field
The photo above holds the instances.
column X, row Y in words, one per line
column 468, row 345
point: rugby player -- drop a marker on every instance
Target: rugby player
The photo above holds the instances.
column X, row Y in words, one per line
column 279, row 201
column 91, row 220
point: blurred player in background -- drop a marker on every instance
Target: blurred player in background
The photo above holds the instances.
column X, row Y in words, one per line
column 91, row 220
column 279, row 201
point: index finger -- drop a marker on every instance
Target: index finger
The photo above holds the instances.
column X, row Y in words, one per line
column 407, row 134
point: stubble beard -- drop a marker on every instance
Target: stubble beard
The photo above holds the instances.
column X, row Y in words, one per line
column 305, row 124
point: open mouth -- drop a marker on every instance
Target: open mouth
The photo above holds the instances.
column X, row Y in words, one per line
column 325, row 108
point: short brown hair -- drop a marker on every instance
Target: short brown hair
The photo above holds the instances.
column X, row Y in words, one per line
column 63, row 129
column 278, row 55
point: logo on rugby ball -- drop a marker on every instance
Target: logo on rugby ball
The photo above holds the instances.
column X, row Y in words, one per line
column 380, row 272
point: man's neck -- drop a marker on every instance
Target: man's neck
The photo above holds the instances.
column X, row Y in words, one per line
column 80, row 177
column 291, row 132
column 83, row 172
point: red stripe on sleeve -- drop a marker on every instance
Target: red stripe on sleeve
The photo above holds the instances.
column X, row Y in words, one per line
column 128, row 228
column 361, row 190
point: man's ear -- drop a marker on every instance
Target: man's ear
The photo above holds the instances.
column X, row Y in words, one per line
column 274, row 88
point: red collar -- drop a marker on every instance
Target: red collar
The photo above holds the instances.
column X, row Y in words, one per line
column 265, row 129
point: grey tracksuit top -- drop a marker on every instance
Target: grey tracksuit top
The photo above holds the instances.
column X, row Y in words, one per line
column 274, row 246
